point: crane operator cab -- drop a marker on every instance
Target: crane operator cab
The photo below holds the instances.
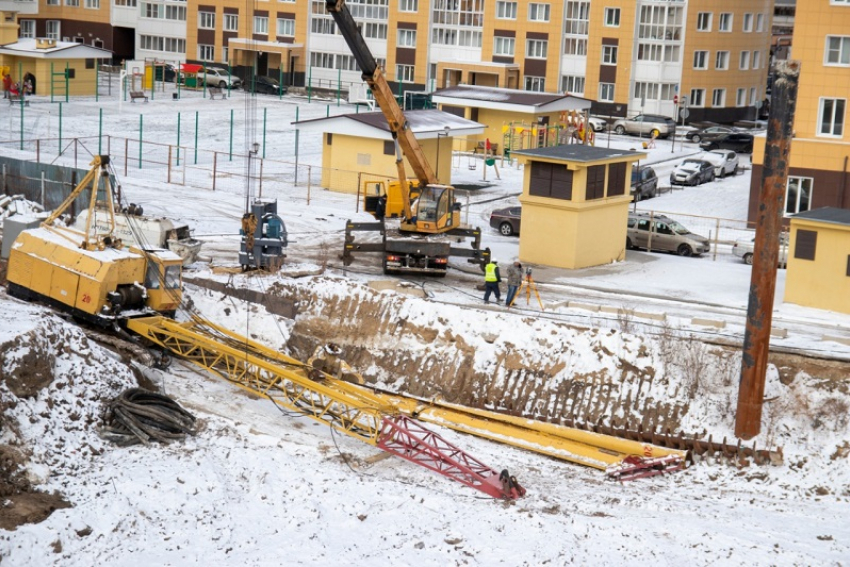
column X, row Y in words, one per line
column 434, row 210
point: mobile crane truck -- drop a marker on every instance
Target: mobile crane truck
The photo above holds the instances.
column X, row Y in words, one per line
column 418, row 220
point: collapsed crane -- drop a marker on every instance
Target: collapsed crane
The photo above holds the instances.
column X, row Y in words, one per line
column 417, row 220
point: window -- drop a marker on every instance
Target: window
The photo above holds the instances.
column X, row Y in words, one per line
column 374, row 30
column 609, row 54
column 206, row 52
column 404, row 73
column 175, row 13
column 655, row 91
column 574, row 46
column 54, row 29
column 93, row 4
column 595, row 182
column 572, row 84
column 837, row 50
column 389, row 148
column 741, row 97
column 536, row 48
column 151, row 10
column 759, row 22
column 612, row 17
column 504, row 46
column 806, row 245
column 700, row 59
column 27, row 28
column 756, row 59
column 725, row 24
column 506, row 10
column 798, row 194
column 748, row 23
column 718, row 98
column 538, row 12
column 606, row 92
column 206, row 20
column 52, row 2
column 159, row 43
column 406, row 38
column 408, row 5
column 261, row 24
column 536, row 84
column 744, row 61
column 656, row 52
column 577, row 18
column 74, row 3
column 832, row 116
column 129, row 3
column 550, row 180
column 225, row 54
column 697, row 97
column 322, row 26
column 752, row 96
column 704, row 21
column 661, row 22
column 286, row 27
column 231, row 22
column 721, row 61
column 616, row 179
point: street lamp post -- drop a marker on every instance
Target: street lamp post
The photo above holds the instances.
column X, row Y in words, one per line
column 442, row 134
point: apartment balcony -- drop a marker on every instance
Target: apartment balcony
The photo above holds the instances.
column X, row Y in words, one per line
column 26, row 7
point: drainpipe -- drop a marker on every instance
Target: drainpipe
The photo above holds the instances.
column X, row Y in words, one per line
column 842, row 196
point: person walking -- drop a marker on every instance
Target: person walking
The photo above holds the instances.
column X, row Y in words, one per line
column 491, row 281
column 514, row 281
column 7, row 85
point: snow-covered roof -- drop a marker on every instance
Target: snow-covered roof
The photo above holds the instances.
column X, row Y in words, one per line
column 831, row 215
column 28, row 47
column 424, row 123
column 509, row 99
column 579, row 152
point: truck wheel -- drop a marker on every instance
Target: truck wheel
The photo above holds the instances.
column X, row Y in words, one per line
column 748, row 259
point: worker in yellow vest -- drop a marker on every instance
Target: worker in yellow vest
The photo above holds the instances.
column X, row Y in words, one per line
column 491, row 281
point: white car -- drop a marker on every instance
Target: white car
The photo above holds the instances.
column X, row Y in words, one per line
column 745, row 246
column 725, row 162
column 218, row 77
column 598, row 124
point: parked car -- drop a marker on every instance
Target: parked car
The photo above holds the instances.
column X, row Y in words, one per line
column 692, row 172
column 218, row 77
column 725, row 161
column 506, row 221
column 740, row 142
column 666, row 234
column 598, row 124
column 264, row 85
column 744, row 248
column 644, row 183
column 646, row 125
column 708, row 134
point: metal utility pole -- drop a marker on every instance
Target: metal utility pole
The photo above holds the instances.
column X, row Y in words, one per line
column 766, row 250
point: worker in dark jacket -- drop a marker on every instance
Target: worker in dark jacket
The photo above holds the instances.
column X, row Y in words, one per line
column 491, row 281
column 514, row 281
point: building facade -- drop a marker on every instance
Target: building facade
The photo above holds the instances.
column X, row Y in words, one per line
column 630, row 56
column 819, row 174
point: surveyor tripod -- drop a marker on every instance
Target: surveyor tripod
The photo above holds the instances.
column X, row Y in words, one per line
column 528, row 285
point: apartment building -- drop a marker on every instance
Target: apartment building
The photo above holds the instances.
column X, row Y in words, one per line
column 819, row 173
column 630, row 56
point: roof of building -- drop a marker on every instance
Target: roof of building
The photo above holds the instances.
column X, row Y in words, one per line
column 424, row 124
column 832, row 215
column 28, row 47
column 509, row 99
column 578, row 152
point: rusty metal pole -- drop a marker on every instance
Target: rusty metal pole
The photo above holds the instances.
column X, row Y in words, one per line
column 771, row 206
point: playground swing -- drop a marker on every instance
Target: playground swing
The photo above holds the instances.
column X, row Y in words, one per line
column 472, row 163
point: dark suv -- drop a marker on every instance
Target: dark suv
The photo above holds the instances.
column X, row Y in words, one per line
column 644, row 183
column 649, row 125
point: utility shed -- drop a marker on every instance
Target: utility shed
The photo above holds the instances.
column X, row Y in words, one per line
column 509, row 114
column 575, row 205
column 58, row 67
column 818, row 272
column 359, row 147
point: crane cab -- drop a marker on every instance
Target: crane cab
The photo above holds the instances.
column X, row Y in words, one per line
column 163, row 280
column 435, row 211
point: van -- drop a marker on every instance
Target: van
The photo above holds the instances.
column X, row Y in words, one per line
column 663, row 233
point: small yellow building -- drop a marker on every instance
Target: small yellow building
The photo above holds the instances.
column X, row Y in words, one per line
column 55, row 67
column 575, row 205
column 359, row 147
column 514, row 118
column 818, row 273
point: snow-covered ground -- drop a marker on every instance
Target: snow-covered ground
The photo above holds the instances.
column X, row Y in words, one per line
column 257, row 487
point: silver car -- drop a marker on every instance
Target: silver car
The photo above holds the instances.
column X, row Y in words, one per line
column 663, row 233
column 649, row 125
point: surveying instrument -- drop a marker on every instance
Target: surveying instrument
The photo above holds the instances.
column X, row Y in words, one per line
column 528, row 285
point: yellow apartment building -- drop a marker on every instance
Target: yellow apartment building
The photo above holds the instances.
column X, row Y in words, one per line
column 819, row 174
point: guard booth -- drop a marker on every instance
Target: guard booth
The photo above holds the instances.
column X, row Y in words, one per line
column 575, row 205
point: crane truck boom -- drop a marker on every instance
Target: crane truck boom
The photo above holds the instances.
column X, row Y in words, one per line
column 426, row 212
